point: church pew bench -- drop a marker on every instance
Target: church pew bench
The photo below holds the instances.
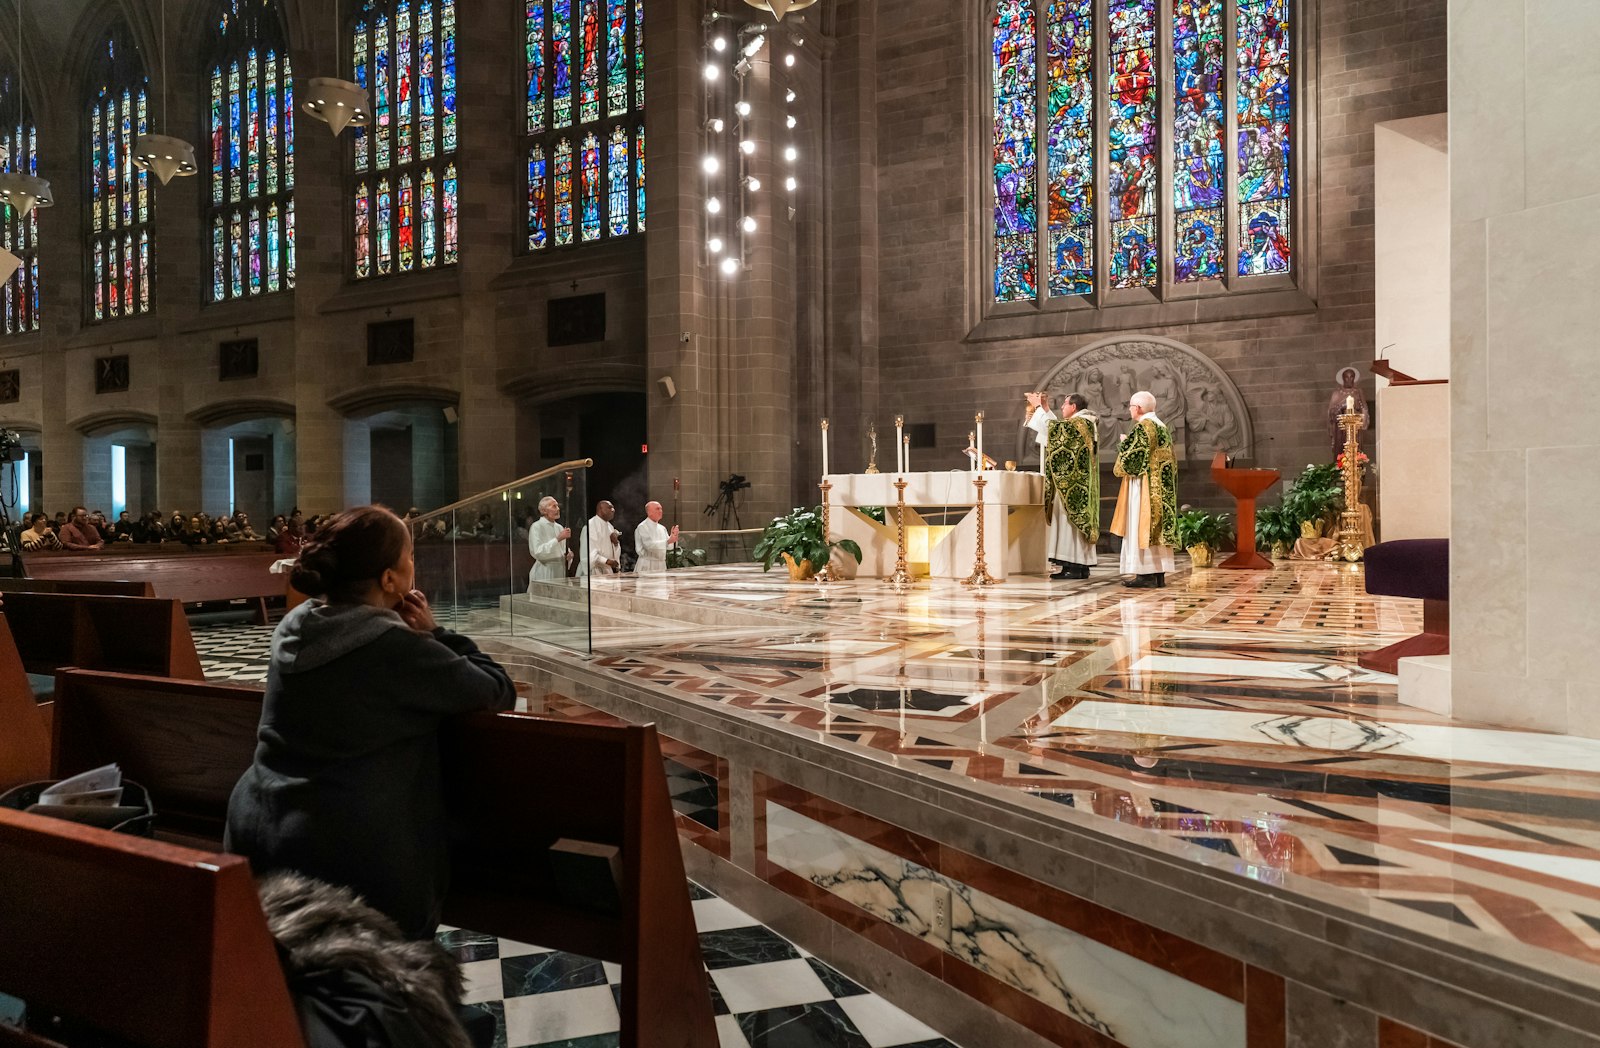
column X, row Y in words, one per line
column 192, row 575
column 187, row 961
column 1419, row 569
column 24, row 723
column 515, row 784
column 134, row 634
column 91, row 587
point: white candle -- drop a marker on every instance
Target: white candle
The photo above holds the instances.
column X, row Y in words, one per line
column 899, row 447
column 907, row 462
column 1350, row 405
column 972, row 460
column 981, row 464
column 824, row 447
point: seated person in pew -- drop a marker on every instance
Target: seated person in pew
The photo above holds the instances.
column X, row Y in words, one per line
column 345, row 786
column 80, row 535
column 39, row 536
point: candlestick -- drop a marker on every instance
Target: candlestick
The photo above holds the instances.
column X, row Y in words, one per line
column 902, row 570
column 980, row 568
column 899, row 451
column 907, row 461
column 826, row 574
column 824, row 447
column 982, row 462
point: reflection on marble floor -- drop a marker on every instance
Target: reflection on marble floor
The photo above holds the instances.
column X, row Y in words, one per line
column 1227, row 711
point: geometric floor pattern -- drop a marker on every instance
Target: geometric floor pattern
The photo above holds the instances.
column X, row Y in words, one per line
column 765, row 991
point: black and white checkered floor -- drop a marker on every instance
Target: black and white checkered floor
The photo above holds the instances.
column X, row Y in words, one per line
column 767, row 992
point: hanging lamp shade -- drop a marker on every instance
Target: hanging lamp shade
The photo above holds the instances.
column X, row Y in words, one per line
column 24, row 192
column 9, row 264
column 778, row 8
column 338, row 103
column 167, row 156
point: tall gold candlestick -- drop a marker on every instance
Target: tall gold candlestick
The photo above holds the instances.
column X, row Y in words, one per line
column 824, row 574
column 902, row 570
column 980, row 568
column 1350, row 544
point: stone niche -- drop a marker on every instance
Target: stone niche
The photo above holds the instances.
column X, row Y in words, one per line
column 1194, row 396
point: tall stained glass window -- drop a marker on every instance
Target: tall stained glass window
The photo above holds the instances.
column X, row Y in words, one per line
column 250, row 127
column 585, row 120
column 405, row 211
column 1080, row 106
column 119, row 211
column 19, row 151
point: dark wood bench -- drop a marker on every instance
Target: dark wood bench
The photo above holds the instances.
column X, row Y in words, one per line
column 157, row 945
column 132, row 634
column 1419, row 569
column 94, row 587
column 24, row 723
column 192, row 575
column 515, row 784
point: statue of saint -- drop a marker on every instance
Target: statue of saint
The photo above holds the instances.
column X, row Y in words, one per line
column 1168, row 391
column 1349, row 379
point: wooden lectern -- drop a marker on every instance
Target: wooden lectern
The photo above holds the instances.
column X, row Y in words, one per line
column 1245, row 485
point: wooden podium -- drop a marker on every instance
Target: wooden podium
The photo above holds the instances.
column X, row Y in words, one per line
column 1245, row 485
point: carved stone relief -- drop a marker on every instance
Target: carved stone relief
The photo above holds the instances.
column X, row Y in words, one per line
column 1193, row 395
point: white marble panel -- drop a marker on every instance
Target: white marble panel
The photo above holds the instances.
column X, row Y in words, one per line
column 1135, row 1003
column 563, row 1015
column 882, row 1024
column 1440, row 742
column 1564, row 161
column 1566, row 867
column 1487, row 117
column 1563, row 611
column 1261, row 668
column 777, row 984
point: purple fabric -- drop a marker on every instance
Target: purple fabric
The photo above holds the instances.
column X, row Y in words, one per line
column 1417, row 568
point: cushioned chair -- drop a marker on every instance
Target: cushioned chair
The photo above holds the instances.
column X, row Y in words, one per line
column 1419, row 569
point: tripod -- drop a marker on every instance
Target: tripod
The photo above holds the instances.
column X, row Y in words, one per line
column 725, row 508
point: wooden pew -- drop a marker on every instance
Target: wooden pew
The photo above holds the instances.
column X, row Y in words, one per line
column 24, row 723
column 193, row 575
column 158, row 945
column 95, row 587
column 131, row 634
column 515, row 784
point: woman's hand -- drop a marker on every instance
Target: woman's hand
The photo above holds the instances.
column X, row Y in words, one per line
column 414, row 612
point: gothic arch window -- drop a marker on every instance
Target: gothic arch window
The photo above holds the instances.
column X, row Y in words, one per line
column 405, row 188
column 1141, row 148
column 117, row 241
column 249, row 227
column 585, row 121
column 19, row 151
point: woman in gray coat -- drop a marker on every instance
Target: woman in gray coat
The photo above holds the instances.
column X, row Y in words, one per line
column 345, row 786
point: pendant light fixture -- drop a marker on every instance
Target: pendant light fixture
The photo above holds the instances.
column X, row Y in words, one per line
column 778, row 8
column 337, row 103
column 9, row 264
column 18, row 188
column 166, row 155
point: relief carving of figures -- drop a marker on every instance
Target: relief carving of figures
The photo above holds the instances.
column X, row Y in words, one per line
column 1194, row 396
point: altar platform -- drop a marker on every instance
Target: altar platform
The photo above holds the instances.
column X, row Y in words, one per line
column 1073, row 814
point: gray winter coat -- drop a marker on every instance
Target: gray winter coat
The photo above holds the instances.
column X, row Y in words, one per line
column 345, row 786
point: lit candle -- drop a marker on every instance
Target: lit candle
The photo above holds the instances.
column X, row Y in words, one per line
column 972, row 461
column 1350, row 405
column 899, row 449
column 981, row 464
column 907, row 462
column 824, row 447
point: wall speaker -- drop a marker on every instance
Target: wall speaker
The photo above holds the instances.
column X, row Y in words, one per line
column 669, row 387
column 450, row 415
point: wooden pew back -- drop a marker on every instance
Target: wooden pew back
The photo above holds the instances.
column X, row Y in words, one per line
column 187, row 961
column 24, row 724
column 98, row 587
column 128, row 634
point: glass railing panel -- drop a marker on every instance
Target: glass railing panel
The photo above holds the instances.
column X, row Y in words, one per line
column 716, row 548
column 550, row 599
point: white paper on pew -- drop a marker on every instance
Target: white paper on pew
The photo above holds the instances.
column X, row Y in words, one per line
column 102, row 786
column 284, row 566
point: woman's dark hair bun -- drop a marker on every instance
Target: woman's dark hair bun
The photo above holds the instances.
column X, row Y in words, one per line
column 349, row 552
column 308, row 581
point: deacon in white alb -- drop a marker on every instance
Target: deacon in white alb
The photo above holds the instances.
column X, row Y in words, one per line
column 547, row 541
column 1040, row 421
column 602, row 543
column 651, row 540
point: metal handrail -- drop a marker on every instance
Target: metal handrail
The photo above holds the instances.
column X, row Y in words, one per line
column 492, row 492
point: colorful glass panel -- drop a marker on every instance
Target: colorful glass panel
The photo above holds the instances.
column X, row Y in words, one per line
column 117, row 194
column 274, row 250
column 255, row 250
column 253, row 122
column 638, row 58
column 561, row 62
column 363, row 237
column 288, row 241
column 218, row 133
column 533, row 24
column 638, row 174
column 1015, row 207
column 1133, row 147
column 403, row 81
column 381, row 76
column 592, row 49
column 384, row 247
column 235, row 113
column 619, row 198
column 589, row 168
column 236, row 254
column 1198, row 140
column 452, row 232
column 19, row 234
column 447, row 72
column 428, row 222
column 538, row 199
column 616, row 57
column 1263, row 110
column 407, row 226
column 359, row 50
column 427, row 96
column 563, row 192
column 270, row 114
column 1069, row 65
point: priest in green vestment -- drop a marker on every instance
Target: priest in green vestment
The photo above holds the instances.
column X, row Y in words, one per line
column 1147, row 505
column 1072, row 489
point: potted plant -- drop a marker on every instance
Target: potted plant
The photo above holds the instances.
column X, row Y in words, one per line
column 1275, row 531
column 1201, row 533
column 678, row 557
column 1314, row 499
column 798, row 540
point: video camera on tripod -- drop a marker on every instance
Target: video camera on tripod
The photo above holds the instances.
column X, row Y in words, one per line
column 726, row 507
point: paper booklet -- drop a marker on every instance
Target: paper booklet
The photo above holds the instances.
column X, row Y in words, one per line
column 101, row 787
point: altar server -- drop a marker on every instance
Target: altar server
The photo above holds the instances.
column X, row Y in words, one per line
column 602, row 543
column 651, row 540
column 1039, row 421
column 1072, row 489
column 547, row 541
column 1147, row 506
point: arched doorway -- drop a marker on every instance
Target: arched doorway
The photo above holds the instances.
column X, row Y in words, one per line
column 402, row 456
column 247, row 457
column 609, row 428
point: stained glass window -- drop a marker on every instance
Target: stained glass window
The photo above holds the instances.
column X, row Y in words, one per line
column 251, row 134
column 117, row 234
column 404, row 53
column 1115, row 218
column 19, row 151
column 584, row 107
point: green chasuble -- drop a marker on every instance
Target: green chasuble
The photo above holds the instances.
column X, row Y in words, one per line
column 1146, row 453
column 1072, row 471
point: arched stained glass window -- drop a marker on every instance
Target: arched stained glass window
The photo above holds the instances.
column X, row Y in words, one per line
column 119, row 210
column 585, row 120
column 406, row 212
column 250, row 127
column 19, row 151
column 1081, row 106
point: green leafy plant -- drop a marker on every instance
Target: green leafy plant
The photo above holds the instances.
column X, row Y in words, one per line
column 1316, row 495
column 678, row 557
column 1198, row 528
column 799, row 534
column 1274, row 527
column 877, row 513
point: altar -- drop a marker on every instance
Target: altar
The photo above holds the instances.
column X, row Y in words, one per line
column 942, row 522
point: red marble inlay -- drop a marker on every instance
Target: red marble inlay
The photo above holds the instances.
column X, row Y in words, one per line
column 1264, row 999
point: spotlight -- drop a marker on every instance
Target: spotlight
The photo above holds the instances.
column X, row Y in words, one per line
column 749, row 224
column 755, row 44
column 742, row 107
column 714, row 245
column 712, row 72
column 714, row 205
column 754, row 184
column 790, row 184
column 711, row 165
column 791, row 121
column 720, row 43
column 789, row 96
column 730, row 266
column 747, row 147
column 715, row 124
column 790, row 153
column 788, row 59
